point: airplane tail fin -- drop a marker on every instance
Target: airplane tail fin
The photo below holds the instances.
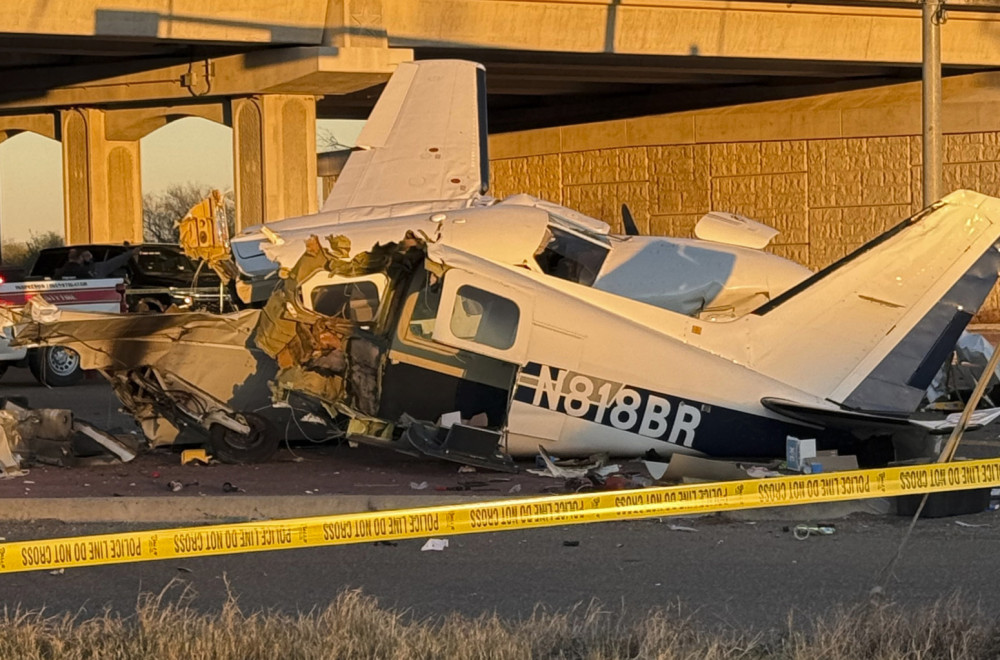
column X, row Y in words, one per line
column 425, row 140
column 870, row 331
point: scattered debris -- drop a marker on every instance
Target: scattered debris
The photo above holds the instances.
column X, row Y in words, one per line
column 464, row 469
column 434, row 544
column 58, row 571
column 761, row 472
column 957, row 378
column 516, row 488
column 798, row 451
column 418, row 486
column 802, row 532
column 681, row 528
column 684, row 468
column 52, row 436
column 616, row 482
column 656, row 469
column 391, row 544
column 565, row 471
column 571, row 544
column 175, row 486
column 227, row 487
column 194, row 456
column 962, row 523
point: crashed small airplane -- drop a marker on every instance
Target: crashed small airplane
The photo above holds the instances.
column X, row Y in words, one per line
column 418, row 313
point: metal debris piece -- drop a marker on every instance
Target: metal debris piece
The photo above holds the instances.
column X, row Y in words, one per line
column 802, row 532
column 194, row 456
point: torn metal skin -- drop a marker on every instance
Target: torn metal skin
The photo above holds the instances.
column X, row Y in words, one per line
column 322, row 351
column 204, row 235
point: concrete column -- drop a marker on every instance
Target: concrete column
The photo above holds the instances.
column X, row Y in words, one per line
column 274, row 157
column 102, row 193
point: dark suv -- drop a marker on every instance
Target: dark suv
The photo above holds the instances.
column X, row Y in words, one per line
column 157, row 275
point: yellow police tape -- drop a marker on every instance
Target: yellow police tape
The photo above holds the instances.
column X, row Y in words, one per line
column 509, row 514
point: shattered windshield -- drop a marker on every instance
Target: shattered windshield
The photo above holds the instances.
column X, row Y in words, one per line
column 570, row 257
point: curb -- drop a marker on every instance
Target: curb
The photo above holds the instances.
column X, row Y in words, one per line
column 204, row 510
column 235, row 508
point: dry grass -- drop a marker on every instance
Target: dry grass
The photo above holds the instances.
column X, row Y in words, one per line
column 354, row 626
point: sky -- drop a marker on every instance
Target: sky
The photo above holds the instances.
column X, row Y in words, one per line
column 188, row 150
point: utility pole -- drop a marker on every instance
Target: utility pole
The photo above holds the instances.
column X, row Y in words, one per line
column 933, row 13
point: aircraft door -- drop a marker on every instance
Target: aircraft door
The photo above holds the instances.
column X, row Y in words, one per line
column 483, row 316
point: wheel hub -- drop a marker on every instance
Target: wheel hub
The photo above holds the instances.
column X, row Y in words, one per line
column 63, row 361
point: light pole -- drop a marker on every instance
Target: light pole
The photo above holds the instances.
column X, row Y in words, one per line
column 931, row 100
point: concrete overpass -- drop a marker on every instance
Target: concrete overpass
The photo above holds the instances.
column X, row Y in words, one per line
column 101, row 74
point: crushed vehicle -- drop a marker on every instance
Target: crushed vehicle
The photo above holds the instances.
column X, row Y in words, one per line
column 416, row 312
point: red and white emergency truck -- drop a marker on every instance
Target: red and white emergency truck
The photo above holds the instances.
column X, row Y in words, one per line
column 55, row 365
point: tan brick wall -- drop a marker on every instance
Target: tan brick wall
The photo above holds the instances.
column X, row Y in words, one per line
column 826, row 195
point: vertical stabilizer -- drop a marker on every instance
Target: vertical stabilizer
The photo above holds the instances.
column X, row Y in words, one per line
column 425, row 141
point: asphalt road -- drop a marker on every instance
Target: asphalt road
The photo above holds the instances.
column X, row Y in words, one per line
column 729, row 573
column 725, row 573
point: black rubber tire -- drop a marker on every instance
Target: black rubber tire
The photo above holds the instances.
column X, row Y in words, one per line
column 55, row 366
column 230, row 446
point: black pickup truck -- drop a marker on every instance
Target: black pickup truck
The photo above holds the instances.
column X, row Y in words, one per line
column 157, row 275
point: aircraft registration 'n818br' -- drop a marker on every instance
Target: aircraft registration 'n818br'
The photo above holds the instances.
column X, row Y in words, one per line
column 418, row 313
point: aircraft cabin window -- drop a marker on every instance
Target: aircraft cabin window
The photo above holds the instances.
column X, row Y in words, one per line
column 425, row 308
column 570, row 257
column 356, row 301
column 484, row 318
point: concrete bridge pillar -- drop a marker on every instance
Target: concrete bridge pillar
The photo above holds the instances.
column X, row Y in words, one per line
column 274, row 157
column 102, row 195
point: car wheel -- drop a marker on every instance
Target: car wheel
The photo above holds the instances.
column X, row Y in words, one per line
column 231, row 446
column 56, row 366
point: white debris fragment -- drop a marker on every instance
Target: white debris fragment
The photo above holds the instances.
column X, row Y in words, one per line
column 656, row 469
column 435, row 544
column 760, row 472
column 418, row 486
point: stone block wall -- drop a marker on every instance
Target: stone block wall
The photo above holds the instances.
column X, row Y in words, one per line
column 826, row 195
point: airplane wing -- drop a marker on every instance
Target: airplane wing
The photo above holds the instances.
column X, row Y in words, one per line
column 425, row 141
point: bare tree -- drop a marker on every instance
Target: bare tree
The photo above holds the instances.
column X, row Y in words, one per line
column 23, row 253
column 327, row 141
column 161, row 211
